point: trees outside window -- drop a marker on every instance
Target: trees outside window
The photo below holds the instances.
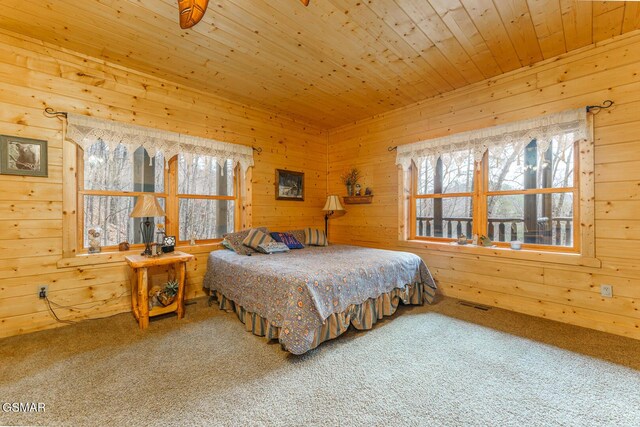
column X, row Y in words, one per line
column 206, row 197
column 200, row 206
column 527, row 193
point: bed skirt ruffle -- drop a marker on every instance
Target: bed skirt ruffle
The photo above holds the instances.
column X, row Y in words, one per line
column 362, row 316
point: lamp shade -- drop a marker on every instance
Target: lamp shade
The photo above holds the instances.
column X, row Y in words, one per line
column 147, row 206
column 333, row 204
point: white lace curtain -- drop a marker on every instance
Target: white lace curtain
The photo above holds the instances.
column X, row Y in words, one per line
column 86, row 131
column 570, row 123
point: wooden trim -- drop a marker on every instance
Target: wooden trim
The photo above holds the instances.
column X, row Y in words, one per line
column 69, row 199
column 244, row 204
column 406, row 226
column 530, row 191
column 171, row 204
column 537, row 247
column 586, row 172
column 482, row 178
column 505, row 245
column 442, row 195
column 120, row 193
column 434, row 239
column 508, row 253
column 110, row 258
column 203, row 197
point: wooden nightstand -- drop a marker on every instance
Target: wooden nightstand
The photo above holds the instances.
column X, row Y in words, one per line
column 140, row 284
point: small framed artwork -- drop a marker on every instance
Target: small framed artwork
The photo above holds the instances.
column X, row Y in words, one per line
column 23, row 156
column 289, row 185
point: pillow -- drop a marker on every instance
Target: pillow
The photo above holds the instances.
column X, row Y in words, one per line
column 256, row 238
column 235, row 240
column 227, row 245
column 287, row 239
column 272, row 247
column 298, row 235
column 314, row 237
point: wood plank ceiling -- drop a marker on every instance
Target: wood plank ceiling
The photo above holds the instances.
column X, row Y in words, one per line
column 333, row 62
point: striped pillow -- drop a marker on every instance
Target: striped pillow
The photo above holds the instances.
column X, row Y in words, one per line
column 315, row 237
column 235, row 240
column 256, row 238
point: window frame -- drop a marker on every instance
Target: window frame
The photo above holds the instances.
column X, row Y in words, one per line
column 74, row 192
column 175, row 201
column 481, row 193
column 415, row 197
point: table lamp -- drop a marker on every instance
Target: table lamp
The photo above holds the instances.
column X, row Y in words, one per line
column 331, row 206
column 147, row 206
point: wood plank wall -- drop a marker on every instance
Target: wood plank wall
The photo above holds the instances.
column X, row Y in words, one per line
column 34, row 75
column 610, row 70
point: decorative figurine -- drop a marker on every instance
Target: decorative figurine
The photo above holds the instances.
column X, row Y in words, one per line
column 358, row 190
column 368, row 192
column 156, row 249
column 160, row 233
column 485, row 241
column 94, row 240
column 123, row 246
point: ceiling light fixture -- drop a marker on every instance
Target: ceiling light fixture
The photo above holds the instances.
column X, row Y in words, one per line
column 192, row 11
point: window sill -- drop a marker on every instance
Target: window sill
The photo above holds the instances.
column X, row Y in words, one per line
column 567, row 258
column 83, row 260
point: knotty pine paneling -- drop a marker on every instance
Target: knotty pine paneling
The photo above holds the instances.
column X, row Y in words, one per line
column 34, row 75
column 565, row 293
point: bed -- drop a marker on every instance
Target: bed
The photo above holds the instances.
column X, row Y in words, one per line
column 307, row 296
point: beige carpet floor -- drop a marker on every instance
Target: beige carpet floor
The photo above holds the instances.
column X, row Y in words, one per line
column 441, row 365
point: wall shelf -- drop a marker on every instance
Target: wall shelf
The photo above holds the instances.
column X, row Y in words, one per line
column 357, row 200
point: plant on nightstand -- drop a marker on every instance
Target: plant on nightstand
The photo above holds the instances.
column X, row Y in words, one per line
column 168, row 294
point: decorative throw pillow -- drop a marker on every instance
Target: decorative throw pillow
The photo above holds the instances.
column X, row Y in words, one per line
column 235, row 240
column 256, row 238
column 287, row 239
column 298, row 235
column 314, row 237
column 272, row 247
column 227, row 245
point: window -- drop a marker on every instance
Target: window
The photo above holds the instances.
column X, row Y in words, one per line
column 531, row 193
column 201, row 183
column 206, row 201
column 530, row 181
column 202, row 207
column 444, row 196
column 526, row 193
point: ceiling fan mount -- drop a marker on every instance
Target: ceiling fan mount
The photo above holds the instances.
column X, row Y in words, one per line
column 192, row 11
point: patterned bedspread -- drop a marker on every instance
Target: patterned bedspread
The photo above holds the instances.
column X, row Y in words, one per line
column 297, row 290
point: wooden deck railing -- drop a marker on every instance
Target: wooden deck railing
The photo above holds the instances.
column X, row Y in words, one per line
column 556, row 231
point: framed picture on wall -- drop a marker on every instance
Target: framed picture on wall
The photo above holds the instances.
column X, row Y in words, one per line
column 289, row 185
column 23, row 156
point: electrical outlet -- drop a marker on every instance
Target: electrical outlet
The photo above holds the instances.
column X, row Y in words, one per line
column 43, row 291
column 606, row 291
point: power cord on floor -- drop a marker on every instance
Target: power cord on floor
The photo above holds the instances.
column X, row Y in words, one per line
column 55, row 316
column 71, row 322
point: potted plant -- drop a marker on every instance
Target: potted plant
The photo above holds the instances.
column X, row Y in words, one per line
column 350, row 179
column 168, row 294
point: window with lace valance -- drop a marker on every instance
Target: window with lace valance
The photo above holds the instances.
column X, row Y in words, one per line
column 200, row 183
column 518, row 181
